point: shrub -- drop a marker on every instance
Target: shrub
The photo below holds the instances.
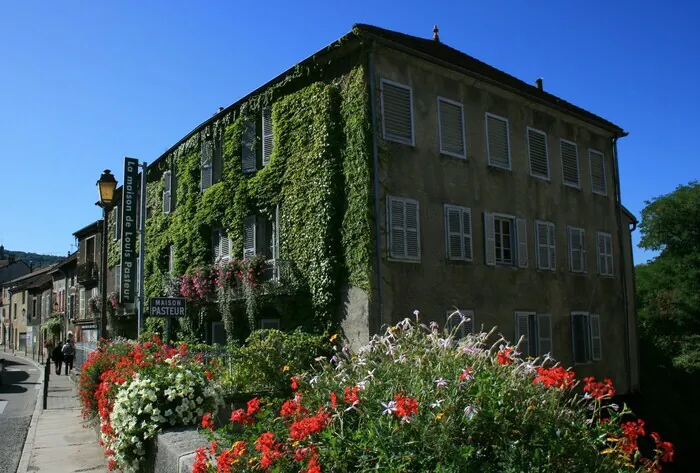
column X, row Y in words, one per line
column 416, row 399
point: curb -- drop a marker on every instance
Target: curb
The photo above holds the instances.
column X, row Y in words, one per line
column 31, row 434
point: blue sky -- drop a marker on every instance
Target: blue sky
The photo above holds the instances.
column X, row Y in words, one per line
column 82, row 85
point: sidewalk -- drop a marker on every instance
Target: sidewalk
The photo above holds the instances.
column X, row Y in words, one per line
column 57, row 442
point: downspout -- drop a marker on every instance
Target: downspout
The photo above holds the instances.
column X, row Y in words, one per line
column 375, row 162
column 623, row 278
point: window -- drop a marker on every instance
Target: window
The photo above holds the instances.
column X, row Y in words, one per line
column 497, row 144
column 207, row 159
column 569, row 163
column 404, row 230
column 505, row 245
column 597, row 161
column 585, row 329
column 117, row 224
column 171, row 259
column 90, row 250
column 248, row 157
column 458, row 233
column 117, row 277
column 221, row 245
column 536, row 332
column 451, row 128
column 270, row 324
column 605, row 256
column 167, row 191
column 258, row 237
column 218, row 333
column 218, row 161
column 544, row 240
column 267, row 135
column 397, row 112
column 82, row 302
column 454, row 318
column 577, row 250
column 537, row 150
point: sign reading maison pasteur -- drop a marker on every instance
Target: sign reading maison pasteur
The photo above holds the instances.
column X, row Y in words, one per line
column 167, row 307
column 127, row 290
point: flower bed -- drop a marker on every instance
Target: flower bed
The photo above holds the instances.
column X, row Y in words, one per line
column 415, row 399
column 136, row 389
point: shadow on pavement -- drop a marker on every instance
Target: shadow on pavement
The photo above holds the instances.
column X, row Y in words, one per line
column 11, row 380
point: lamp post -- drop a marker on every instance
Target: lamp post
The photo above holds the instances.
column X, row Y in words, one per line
column 105, row 187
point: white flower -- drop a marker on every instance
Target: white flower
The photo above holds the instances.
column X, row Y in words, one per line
column 440, row 383
column 436, row 403
column 362, row 384
column 389, row 408
column 470, row 412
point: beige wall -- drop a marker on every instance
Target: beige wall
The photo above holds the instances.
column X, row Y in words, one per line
column 422, row 173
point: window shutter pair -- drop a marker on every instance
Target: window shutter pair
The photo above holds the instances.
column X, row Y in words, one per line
column 586, row 335
column 397, row 112
column 542, row 325
column 451, row 128
column 458, row 231
column 537, row 149
column 569, row 163
column 404, row 232
column 497, row 141
column 221, row 246
column 453, row 319
column 206, row 164
column 605, row 256
column 577, row 250
column 520, row 236
column 167, row 191
column 546, row 251
column 597, row 160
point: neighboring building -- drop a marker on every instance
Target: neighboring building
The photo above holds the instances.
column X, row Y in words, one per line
column 86, row 299
column 65, row 293
column 9, row 270
column 441, row 183
column 39, row 306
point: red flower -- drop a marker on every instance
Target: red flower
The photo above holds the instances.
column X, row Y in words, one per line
column 466, row 374
column 253, row 406
column 265, row 442
column 295, row 383
column 557, row 377
column 225, row 461
column 209, row 375
column 292, row 407
column 207, row 423
column 113, row 464
column 503, row 356
column 598, row 390
column 405, row 406
column 334, row 401
column 302, row 428
column 665, row 449
column 241, row 417
column 200, row 461
column 351, row 396
column 239, row 448
column 312, row 466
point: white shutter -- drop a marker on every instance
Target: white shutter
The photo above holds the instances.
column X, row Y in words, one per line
column 537, row 150
column 412, row 230
column 609, row 254
column 206, row 165
column 167, row 189
column 497, row 144
column 467, row 230
column 577, row 250
column 489, row 240
column 82, row 302
column 451, row 128
column 267, row 135
column 225, row 245
column 397, row 227
column 569, row 163
column 397, row 112
column 552, row 247
column 117, row 221
column 542, row 244
column 248, row 158
column 453, row 231
column 522, row 242
column 249, row 236
column 117, row 271
column 544, row 334
column 171, row 259
column 522, row 329
column 597, row 161
column 600, row 253
column 596, row 345
column 582, row 245
column 216, row 244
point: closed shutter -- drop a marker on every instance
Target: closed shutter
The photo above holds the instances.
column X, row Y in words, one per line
column 544, row 334
column 117, row 223
column 267, row 135
column 600, row 250
column 522, row 242
column 489, row 240
column 497, row 144
column 397, row 112
column 451, row 128
column 522, row 330
column 467, row 231
column 249, row 231
column 171, row 259
column 542, row 242
column 577, row 250
column 166, row 191
column 206, row 165
column 569, row 163
column 225, row 245
column 397, row 228
column 597, row 160
column 609, row 255
column 412, row 230
column 596, row 345
column 453, row 230
column 537, row 149
column 552, row 247
column 248, row 158
column 117, row 276
column 82, row 302
column 218, row 161
column 216, row 244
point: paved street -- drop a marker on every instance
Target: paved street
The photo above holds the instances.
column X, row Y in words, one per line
column 18, row 395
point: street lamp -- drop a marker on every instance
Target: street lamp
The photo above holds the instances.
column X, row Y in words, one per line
column 105, row 187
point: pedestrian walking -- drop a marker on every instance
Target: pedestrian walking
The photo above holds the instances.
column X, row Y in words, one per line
column 68, row 353
column 57, row 357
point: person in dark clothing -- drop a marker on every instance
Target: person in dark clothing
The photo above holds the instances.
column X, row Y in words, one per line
column 68, row 354
column 57, row 357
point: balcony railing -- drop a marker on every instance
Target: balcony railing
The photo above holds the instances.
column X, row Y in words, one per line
column 279, row 271
column 88, row 273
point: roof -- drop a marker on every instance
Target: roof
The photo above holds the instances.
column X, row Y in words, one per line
column 4, row 262
column 630, row 215
column 439, row 51
column 29, row 278
column 431, row 50
column 72, row 258
column 88, row 230
column 42, row 280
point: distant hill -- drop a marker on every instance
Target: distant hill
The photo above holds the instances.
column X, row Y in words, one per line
column 35, row 259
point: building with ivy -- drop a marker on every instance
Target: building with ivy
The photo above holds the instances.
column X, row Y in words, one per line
column 389, row 173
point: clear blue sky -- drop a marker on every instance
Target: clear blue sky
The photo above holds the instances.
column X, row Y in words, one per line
column 82, row 85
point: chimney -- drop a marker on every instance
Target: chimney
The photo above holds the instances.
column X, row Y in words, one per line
column 436, row 37
column 538, row 83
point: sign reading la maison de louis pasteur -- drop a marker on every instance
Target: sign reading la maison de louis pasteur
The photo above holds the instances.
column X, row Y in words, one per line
column 167, row 307
column 127, row 290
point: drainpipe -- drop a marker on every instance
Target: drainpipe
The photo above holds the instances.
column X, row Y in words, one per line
column 375, row 162
column 623, row 277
